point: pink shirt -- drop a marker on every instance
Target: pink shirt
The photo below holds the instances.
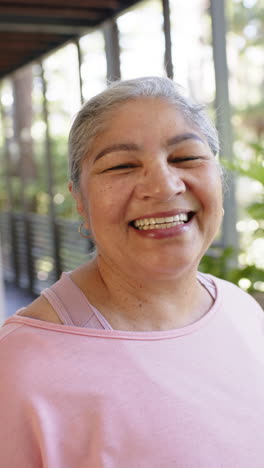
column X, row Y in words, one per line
column 77, row 397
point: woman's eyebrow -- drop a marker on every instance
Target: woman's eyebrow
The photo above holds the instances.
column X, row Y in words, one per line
column 117, row 147
column 133, row 147
column 184, row 136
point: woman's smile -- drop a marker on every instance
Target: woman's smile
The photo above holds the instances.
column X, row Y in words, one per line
column 162, row 225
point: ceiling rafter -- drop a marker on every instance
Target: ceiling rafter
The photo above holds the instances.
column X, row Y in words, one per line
column 112, row 4
column 41, row 13
column 31, row 29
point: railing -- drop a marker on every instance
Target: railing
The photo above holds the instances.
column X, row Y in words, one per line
column 28, row 251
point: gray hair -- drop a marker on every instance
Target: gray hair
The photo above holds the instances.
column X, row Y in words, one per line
column 93, row 115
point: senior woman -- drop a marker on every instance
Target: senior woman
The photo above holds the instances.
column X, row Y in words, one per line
column 135, row 359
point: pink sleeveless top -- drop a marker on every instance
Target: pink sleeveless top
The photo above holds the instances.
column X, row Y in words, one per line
column 79, row 397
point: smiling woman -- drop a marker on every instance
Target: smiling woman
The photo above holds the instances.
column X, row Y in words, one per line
column 136, row 353
column 156, row 159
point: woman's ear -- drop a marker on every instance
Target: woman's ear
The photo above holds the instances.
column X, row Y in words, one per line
column 78, row 199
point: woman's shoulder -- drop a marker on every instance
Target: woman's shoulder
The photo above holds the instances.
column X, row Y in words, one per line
column 40, row 309
column 233, row 294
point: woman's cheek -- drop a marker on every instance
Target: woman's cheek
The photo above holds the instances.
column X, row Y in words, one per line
column 213, row 183
column 104, row 203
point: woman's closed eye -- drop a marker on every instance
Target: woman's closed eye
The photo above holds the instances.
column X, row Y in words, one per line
column 186, row 159
column 120, row 167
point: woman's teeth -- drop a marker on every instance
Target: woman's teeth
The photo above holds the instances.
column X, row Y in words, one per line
column 161, row 223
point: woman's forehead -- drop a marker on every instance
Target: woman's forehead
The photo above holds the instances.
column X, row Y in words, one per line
column 143, row 120
column 146, row 103
column 134, row 114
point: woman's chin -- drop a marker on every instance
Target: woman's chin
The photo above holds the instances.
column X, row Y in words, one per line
column 163, row 269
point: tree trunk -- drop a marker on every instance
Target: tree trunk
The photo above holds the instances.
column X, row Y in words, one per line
column 22, row 118
column 26, row 168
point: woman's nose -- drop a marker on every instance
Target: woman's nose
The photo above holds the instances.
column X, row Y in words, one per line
column 162, row 182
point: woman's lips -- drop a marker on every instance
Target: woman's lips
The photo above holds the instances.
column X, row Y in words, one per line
column 160, row 221
column 163, row 226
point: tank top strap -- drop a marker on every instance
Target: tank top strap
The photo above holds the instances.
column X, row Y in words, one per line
column 72, row 306
column 208, row 284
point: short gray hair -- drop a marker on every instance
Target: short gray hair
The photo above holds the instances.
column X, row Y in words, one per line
column 93, row 115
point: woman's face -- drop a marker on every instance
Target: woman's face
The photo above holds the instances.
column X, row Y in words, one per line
column 150, row 191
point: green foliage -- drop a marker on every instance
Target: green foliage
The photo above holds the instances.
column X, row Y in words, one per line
column 256, row 210
column 215, row 262
column 250, row 272
column 219, row 262
column 255, row 170
column 240, row 17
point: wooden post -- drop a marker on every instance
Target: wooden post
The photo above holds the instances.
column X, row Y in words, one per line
column 22, row 117
column 217, row 9
column 79, row 53
column 112, row 50
column 167, row 36
column 50, row 181
column 10, row 198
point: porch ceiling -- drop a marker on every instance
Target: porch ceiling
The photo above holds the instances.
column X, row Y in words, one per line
column 29, row 29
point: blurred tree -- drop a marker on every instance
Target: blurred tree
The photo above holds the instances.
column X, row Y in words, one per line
column 25, row 167
column 22, row 118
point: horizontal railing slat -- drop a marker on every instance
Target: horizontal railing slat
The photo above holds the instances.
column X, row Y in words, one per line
column 34, row 249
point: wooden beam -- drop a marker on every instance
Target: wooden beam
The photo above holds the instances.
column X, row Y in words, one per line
column 42, row 13
column 111, row 4
column 31, row 27
column 28, row 37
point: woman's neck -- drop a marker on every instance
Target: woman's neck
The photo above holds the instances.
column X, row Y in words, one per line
column 128, row 303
